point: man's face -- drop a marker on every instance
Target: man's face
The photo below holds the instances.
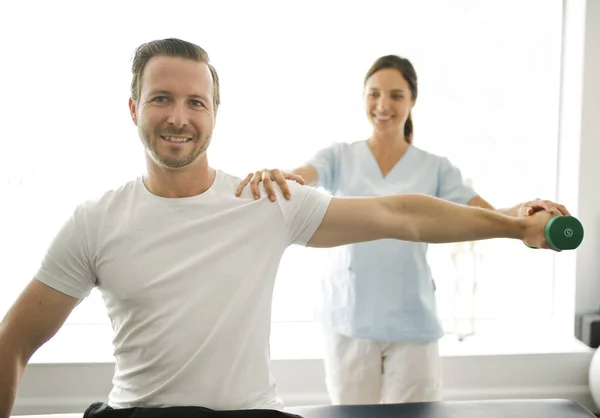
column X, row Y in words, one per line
column 174, row 113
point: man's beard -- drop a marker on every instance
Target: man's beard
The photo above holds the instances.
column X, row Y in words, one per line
column 200, row 146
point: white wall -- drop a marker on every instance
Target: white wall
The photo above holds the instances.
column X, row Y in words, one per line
column 71, row 387
column 588, row 262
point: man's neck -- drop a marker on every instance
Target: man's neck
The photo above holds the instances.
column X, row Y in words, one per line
column 188, row 181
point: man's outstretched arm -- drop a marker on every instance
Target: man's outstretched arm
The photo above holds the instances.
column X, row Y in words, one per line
column 416, row 217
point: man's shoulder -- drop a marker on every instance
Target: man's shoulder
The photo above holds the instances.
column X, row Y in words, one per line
column 305, row 194
column 226, row 179
column 226, row 184
column 102, row 202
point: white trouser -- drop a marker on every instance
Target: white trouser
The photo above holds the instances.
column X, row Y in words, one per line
column 362, row 371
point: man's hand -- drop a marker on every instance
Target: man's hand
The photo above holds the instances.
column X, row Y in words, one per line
column 268, row 177
column 534, row 206
column 535, row 224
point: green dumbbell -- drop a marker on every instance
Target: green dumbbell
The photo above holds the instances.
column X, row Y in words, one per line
column 563, row 233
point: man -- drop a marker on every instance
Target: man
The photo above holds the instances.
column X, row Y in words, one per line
column 187, row 269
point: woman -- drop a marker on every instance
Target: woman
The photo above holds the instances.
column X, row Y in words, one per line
column 379, row 309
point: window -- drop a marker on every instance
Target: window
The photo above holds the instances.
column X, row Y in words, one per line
column 291, row 79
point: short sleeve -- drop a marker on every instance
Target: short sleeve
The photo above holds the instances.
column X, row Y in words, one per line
column 327, row 164
column 451, row 185
column 304, row 212
column 66, row 265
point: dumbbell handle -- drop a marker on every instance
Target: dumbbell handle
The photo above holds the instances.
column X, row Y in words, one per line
column 563, row 233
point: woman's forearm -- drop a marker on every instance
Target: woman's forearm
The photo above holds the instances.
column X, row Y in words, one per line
column 308, row 173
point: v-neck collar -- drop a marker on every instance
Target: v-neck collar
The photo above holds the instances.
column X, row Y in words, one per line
column 376, row 166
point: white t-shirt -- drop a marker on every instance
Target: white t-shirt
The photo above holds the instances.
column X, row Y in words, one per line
column 188, row 285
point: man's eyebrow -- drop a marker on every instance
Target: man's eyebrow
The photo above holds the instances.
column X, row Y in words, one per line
column 198, row 96
column 168, row 93
column 157, row 92
column 393, row 90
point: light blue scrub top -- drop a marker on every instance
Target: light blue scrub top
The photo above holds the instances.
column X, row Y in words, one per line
column 383, row 290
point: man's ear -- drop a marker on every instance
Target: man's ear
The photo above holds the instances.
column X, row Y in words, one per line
column 133, row 111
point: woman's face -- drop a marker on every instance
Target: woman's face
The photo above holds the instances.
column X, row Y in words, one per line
column 388, row 101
